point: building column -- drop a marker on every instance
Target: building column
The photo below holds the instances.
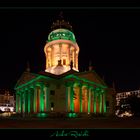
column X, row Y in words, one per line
column 29, row 100
column 52, row 55
column 18, row 102
column 26, row 99
column 60, row 48
column 23, row 105
column 71, row 98
column 69, row 53
column 41, row 98
column 19, row 110
column 104, row 102
column 31, row 93
column 21, row 101
column 38, row 98
column 74, row 58
column 89, row 100
column 86, row 98
column 35, row 99
column 81, row 98
column 68, row 58
column 46, row 59
column 100, row 102
column 95, row 100
column 92, row 101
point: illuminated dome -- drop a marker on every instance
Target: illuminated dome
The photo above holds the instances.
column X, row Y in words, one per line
column 61, row 46
column 61, row 34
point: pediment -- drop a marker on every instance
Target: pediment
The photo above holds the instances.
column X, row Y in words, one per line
column 25, row 77
column 92, row 76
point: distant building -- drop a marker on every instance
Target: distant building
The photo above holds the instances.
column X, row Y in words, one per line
column 123, row 95
column 7, row 101
column 61, row 87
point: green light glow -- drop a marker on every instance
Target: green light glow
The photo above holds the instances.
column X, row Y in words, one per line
column 24, row 105
column 89, row 100
column 31, row 82
column 71, row 99
column 94, row 102
column 23, row 102
column 26, row 101
column 42, row 115
column 41, row 98
column 61, row 34
column 100, row 96
column 35, row 96
column 29, row 101
column 17, row 105
column 104, row 102
column 72, row 115
column 80, row 99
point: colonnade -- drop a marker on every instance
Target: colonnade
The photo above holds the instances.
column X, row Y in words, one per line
column 71, row 54
column 85, row 98
column 79, row 98
column 32, row 99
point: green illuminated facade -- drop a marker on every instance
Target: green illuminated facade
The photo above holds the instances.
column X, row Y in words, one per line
column 67, row 91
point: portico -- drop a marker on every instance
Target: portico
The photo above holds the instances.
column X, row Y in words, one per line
column 80, row 96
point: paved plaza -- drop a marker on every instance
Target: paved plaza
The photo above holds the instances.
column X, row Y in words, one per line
column 71, row 123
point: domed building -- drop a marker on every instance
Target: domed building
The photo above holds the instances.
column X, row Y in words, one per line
column 61, row 87
column 62, row 46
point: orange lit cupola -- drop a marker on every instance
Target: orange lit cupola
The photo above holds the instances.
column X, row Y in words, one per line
column 61, row 48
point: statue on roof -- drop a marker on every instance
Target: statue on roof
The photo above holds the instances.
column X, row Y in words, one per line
column 61, row 23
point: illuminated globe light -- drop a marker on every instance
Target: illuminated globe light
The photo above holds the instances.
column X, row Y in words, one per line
column 42, row 115
column 72, row 115
column 61, row 45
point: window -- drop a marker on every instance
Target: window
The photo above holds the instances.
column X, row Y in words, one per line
column 52, row 92
column 52, row 104
column 107, row 103
column 64, row 61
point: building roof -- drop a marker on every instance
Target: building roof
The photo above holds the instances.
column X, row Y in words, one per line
column 61, row 34
column 92, row 76
column 89, row 77
column 25, row 77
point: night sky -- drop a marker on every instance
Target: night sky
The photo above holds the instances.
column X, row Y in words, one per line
column 110, row 38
